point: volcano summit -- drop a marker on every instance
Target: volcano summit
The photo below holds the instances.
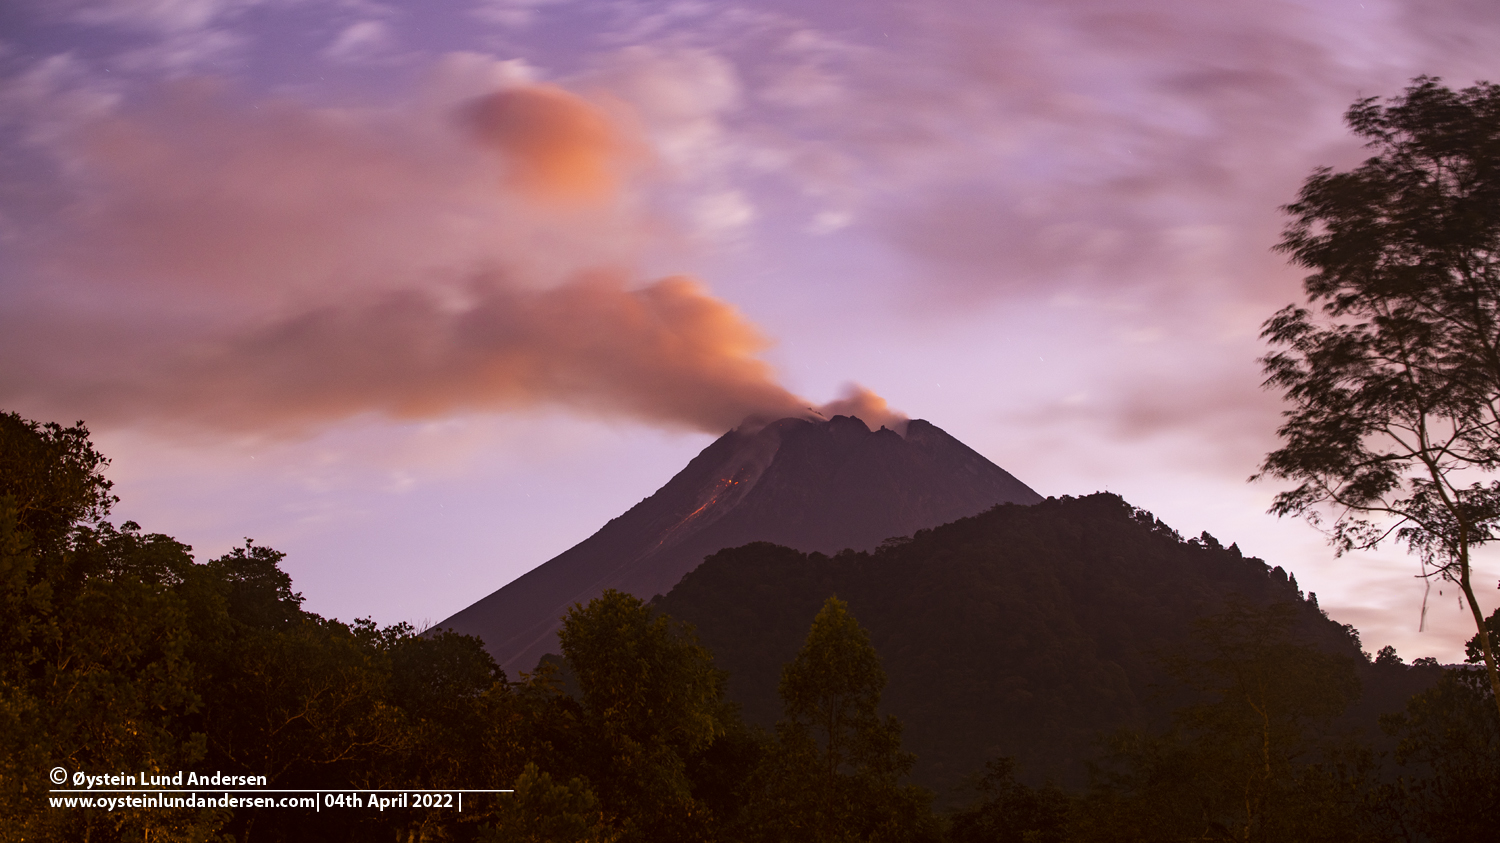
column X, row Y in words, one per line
column 811, row 485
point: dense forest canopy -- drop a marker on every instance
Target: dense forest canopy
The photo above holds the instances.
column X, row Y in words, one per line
column 1024, row 631
column 121, row 652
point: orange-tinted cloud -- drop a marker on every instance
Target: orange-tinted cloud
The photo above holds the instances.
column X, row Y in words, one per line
column 205, row 191
column 867, row 407
column 559, row 147
column 667, row 353
column 273, row 267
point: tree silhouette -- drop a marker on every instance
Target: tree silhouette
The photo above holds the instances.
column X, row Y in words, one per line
column 1249, row 755
column 835, row 773
column 1007, row 811
column 96, row 668
column 1449, row 751
column 1395, row 382
column 543, row 811
column 118, row 652
column 651, row 701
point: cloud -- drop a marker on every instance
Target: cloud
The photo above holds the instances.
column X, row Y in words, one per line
column 249, row 265
column 866, row 406
column 265, row 202
column 1020, row 146
column 682, row 98
column 171, row 35
column 165, row 16
column 514, row 14
column 360, row 41
column 559, row 147
column 683, row 103
column 724, row 212
column 666, row 353
column 50, row 99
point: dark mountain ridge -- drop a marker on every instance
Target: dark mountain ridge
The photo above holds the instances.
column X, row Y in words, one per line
column 811, row 485
column 1026, row 631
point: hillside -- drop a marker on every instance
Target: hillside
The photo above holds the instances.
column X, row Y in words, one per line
column 1023, row 631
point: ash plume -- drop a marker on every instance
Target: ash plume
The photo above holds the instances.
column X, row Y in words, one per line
column 272, row 267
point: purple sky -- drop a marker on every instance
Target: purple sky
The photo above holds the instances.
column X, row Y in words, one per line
column 424, row 293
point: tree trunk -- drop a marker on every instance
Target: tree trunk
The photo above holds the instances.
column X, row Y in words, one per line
column 1486, row 646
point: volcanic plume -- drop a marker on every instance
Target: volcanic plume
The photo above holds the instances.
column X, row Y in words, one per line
column 667, row 353
column 560, row 147
column 274, row 267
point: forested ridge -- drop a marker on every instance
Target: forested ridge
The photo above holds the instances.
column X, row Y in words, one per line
column 1025, row 631
column 1217, row 703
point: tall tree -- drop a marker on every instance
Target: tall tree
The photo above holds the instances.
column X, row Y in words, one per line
column 53, row 476
column 119, row 652
column 652, row 700
column 95, row 642
column 835, row 773
column 1394, row 383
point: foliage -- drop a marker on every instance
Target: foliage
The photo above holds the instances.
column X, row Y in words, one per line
column 1395, row 383
column 642, row 677
column 1449, row 750
column 541, row 811
column 97, row 675
column 836, row 768
column 1474, row 647
column 1008, row 811
column 652, row 700
column 1042, row 626
column 53, row 476
column 832, row 737
column 120, row 652
column 96, row 671
column 1247, row 757
column 830, row 694
column 834, row 773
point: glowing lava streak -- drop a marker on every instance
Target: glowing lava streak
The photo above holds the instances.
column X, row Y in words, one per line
column 720, row 488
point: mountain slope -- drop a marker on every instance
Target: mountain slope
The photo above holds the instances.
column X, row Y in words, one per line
column 810, row 485
column 1023, row 631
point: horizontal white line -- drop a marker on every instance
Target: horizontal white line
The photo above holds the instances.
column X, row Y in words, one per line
column 288, row 790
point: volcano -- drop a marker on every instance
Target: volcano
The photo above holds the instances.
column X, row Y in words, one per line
column 812, row 485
